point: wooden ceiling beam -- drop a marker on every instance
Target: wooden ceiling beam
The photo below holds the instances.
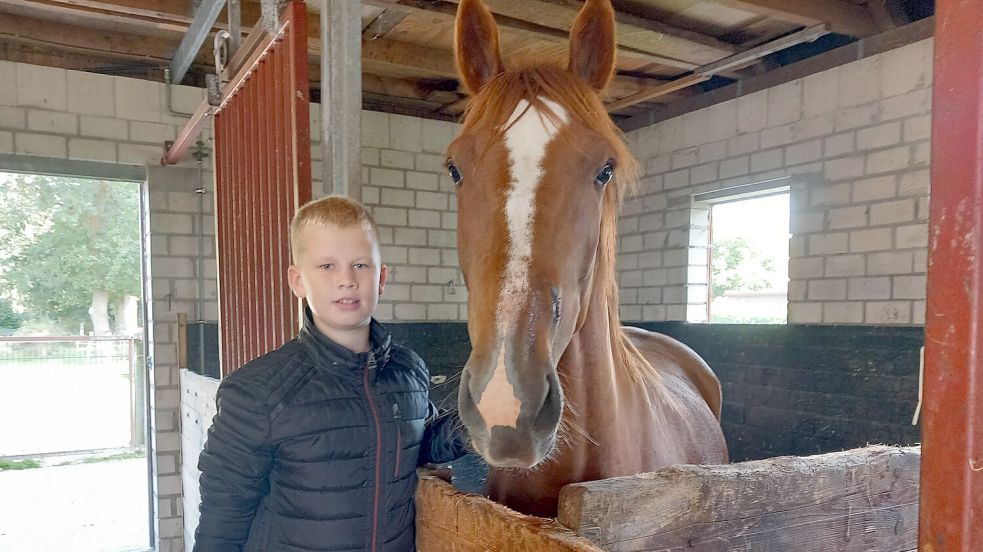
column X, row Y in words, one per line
column 634, row 33
column 96, row 42
column 383, row 52
column 842, row 16
column 652, row 51
column 379, row 54
column 406, row 88
column 97, row 14
column 706, row 72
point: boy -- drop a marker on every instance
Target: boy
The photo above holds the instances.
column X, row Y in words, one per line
column 315, row 445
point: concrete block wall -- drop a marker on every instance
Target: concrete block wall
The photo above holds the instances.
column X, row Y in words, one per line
column 855, row 140
column 174, row 226
column 75, row 116
column 406, row 187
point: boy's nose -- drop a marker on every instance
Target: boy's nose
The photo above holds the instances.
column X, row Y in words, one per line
column 347, row 280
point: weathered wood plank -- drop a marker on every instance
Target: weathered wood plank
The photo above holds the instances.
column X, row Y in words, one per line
column 448, row 520
column 859, row 500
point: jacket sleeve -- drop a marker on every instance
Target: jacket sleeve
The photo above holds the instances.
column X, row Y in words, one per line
column 444, row 437
column 235, row 466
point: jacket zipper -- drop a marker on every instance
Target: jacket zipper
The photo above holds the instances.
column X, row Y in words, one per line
column 378, row 450
column 399, row 438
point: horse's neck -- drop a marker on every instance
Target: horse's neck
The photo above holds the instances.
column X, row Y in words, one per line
column 588, row 372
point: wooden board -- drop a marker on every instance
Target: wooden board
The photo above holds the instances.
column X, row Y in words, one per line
column 448, row 520
column 858, row 500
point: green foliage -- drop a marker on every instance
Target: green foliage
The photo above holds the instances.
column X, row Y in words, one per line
column 738, row 266
column 111, row 458
column 63, row 238
column 18, row 464
column 9, row 318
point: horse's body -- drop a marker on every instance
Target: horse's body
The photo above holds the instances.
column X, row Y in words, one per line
column 555, row 390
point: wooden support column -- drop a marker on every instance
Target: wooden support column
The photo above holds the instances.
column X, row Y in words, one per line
column 951, row 517
column 341, row 97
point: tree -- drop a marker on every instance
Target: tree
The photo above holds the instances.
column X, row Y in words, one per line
column 9, row 318
column 738, row 266
column 69, row 245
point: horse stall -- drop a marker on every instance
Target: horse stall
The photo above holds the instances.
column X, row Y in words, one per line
column 857, row 500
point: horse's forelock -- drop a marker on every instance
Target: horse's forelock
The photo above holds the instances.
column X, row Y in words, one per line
column 495, row 103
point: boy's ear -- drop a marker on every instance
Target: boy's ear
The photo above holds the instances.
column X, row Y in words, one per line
column 296, row 282
column 383, row 274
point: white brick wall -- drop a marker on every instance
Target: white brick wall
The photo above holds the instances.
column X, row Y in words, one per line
column 174, row 224
column 406, row 187
column 859, row 135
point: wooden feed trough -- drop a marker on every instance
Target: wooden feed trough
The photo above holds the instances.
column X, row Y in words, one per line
column 857, row 500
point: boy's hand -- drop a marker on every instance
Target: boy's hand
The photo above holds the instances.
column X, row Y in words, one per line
column 440, row 472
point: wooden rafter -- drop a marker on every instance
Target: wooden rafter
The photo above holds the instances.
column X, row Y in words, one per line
column 99, row 14
column 842, row 16
column 644, row 44
column 145, row 33
column 706, row 72
column 384, row 53
column 634, row 33
column 63, row 36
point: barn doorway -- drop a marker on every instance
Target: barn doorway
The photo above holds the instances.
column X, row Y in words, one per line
column 74, row 471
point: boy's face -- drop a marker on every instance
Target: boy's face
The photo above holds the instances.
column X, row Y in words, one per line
column 339, row 272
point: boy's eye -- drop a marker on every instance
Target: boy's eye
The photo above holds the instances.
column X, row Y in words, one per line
column 360, row 265
column 327, row 266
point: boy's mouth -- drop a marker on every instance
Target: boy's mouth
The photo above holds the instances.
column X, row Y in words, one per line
column 347, row 301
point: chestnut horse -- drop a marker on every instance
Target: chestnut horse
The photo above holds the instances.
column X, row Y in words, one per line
column 556, row 391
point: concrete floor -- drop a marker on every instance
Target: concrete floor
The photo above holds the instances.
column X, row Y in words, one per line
column 99, row 507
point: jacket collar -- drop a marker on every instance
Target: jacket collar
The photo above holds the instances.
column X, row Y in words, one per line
column 340, row 360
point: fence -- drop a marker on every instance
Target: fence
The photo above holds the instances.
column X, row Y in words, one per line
column 66, row 394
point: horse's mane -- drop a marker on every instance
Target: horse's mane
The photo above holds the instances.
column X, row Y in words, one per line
column 491, row 108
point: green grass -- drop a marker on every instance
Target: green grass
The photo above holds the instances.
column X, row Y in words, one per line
column 18, row 464
column 110, row 458
column 30, row 464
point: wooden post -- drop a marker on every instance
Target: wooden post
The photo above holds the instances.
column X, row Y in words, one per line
column 182, row 340
column 951, row 517
column 341, row 97
column 850, row 501
column 448, row 520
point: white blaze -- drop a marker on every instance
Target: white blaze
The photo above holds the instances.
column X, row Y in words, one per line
column 529, row 133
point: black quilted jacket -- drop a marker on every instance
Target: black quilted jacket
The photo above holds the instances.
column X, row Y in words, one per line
column 316, row 448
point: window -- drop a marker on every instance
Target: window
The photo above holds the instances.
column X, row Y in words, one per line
column 746, row 255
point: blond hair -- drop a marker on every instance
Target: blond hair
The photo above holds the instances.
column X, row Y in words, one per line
column 339, row 211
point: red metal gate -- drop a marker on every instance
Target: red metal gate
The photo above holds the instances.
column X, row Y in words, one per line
column 262, row 174
column 951, row 515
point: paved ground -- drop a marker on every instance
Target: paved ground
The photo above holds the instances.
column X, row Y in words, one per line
column 98, row 507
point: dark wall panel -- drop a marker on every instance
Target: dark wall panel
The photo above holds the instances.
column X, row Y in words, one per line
column 796, row 390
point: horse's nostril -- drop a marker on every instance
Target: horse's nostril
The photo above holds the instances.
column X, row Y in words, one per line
column 549, row 415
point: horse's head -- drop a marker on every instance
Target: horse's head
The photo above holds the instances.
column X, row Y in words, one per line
column 537, row 167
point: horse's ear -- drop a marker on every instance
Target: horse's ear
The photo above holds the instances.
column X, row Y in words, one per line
column 592, row 43
column 476, row 45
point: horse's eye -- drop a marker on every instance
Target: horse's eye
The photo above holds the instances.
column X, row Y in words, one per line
column 455, row 174
column 604, row 175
